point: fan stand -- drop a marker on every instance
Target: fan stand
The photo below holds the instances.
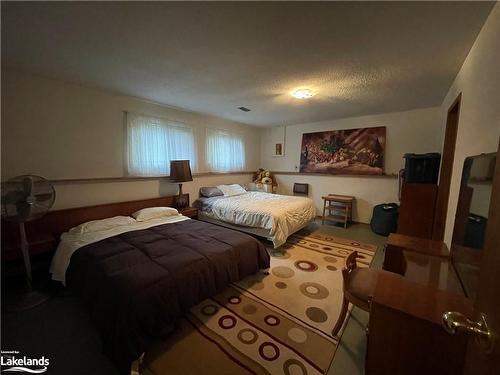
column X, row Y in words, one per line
column 30, row 298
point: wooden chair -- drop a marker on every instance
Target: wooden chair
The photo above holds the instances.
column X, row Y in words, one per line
column 358, row 286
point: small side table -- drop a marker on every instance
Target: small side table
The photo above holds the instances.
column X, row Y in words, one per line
column 339, row 208
column 190, row 212
column 37, row 244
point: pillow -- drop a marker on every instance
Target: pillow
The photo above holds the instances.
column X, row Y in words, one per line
column 209, row 192
column 154, row 213
column 104, row 224
column 231, row 190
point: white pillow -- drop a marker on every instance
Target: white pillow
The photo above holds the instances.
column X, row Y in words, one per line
column 154, row 213
column 104, row 224
column 231, row 190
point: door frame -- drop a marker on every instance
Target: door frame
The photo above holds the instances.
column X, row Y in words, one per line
column 446, row 171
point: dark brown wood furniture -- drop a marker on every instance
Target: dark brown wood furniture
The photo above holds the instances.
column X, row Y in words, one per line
column 406, row 336
column 338, row 207
column 421, row 260
column 43, row 234
column 405, row 332
column 416, row 212
column 397, row 243
column 39, row 243
column 422, row 245
column 191, row 212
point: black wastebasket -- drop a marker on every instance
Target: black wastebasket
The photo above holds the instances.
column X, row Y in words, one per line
column 385, row 218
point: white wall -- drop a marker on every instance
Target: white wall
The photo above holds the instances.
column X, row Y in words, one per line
column 85, row 194
column 417, row 131
column 479, row 121
column 65, row 131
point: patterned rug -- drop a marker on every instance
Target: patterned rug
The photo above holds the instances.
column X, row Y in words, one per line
column 278, row 322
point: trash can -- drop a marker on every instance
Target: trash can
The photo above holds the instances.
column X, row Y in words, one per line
column 385, row 218
column 475, row 231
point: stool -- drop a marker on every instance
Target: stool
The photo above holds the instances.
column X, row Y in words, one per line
column 340, row 205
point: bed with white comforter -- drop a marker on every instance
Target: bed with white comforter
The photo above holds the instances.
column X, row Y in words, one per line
column 279, row 215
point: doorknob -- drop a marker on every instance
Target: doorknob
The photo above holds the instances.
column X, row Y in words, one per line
column 455, row 322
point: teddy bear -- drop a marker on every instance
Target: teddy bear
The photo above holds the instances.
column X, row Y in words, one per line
column 267, row 180
column 263, row 177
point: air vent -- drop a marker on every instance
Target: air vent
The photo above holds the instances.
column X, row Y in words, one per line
column 244, row 109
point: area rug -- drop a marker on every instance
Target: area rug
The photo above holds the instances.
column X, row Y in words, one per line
column 275, row 322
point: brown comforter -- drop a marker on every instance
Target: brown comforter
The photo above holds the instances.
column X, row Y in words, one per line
column 138, row 283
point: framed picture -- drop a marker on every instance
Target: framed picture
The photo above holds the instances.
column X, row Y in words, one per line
column 350, row 151
column 277, row 136
column 279, row 149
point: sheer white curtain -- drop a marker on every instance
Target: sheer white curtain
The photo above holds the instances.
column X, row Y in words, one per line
column 225, row 151
column 153, row 142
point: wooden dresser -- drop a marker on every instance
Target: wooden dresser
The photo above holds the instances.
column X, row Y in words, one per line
column 405, row 332
column 416, row 212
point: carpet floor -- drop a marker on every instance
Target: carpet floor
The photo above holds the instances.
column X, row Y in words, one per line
column 275, row 322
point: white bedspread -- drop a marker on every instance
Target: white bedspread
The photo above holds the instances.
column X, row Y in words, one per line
column 70, row 242
column 282, row 215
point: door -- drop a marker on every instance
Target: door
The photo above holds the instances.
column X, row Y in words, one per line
column 480, row 358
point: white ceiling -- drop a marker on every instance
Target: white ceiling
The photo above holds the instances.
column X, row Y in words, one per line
column 361, row 57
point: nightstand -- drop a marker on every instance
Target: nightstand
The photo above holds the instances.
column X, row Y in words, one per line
column 189, row 212
column 37, row 244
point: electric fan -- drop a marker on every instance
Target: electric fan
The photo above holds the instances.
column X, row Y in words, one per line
column 26, row 198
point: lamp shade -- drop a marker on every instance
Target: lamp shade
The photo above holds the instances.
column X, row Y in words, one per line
column 180, row 171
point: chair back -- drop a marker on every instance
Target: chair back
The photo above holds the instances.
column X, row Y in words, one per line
column 301, row 189
column 350, row 265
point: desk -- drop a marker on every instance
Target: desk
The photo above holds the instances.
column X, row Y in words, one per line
column 424, row 261
column 405, row 333
column 422, row 245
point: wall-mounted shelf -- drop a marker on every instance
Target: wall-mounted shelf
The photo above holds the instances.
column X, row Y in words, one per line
column 392, row 175
column 97, row 180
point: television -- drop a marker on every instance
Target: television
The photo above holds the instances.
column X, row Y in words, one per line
column 471, row 219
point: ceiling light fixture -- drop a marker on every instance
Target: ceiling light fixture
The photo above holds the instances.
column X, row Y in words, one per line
column 303, row 94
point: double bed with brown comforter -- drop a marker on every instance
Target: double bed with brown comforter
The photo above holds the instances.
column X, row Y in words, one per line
column 137, row 283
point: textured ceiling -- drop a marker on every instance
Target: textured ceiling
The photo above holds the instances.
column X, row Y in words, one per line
column 361, row 57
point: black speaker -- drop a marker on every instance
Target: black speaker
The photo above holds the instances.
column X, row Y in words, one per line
column 422, row 168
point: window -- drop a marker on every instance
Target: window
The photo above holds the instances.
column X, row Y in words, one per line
column 153, row 142
column 225, row 151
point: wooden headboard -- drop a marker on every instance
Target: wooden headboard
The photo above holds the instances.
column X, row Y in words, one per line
column 54, row 223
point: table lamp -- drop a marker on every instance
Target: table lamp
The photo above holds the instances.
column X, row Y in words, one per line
column 180, row 172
